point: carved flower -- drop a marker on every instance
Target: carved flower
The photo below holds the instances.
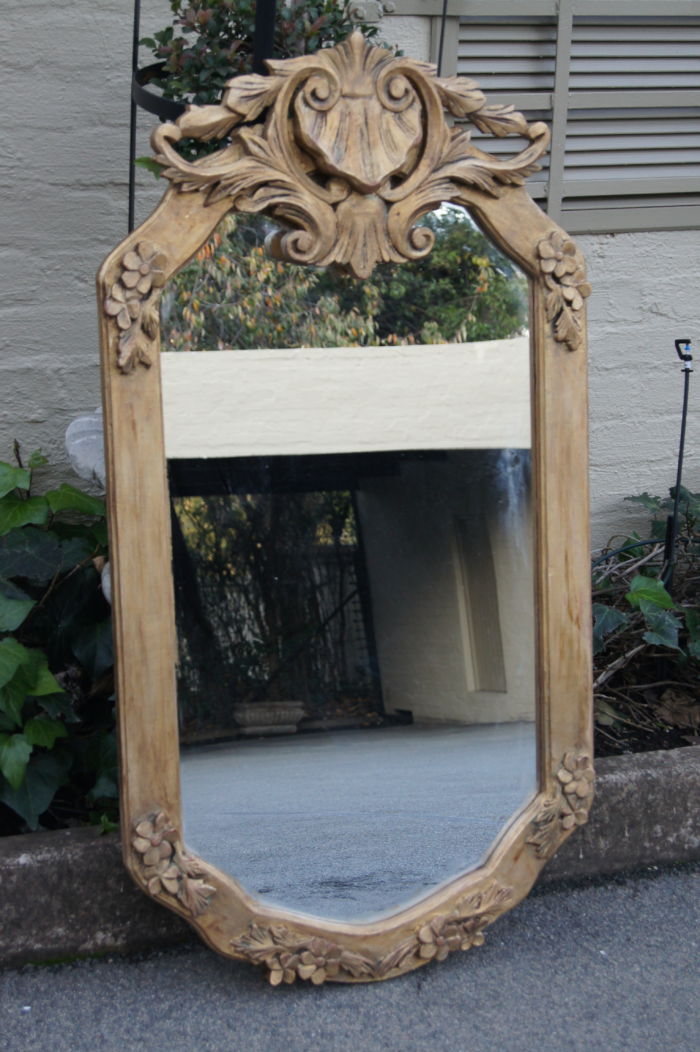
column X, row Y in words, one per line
column 440, row 937
column 143, row 268
column 558, row 258
column 317, row 961
column 576, row 777
column 123, row 305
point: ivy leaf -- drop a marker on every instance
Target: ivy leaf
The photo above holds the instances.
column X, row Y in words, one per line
column 12, row 478
column 93, row 647
column 692, row 622
column 41, row 730
column 37, row 555
column 15, row 751
column 45, row 773
column 606, row 619
column 15, row 512
column 649, row 590
column 68, row 498
column 15, row 606
column 650, row 503
column 12, row 655
column 663, row 625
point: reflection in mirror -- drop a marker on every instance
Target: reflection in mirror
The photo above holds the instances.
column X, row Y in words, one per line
column 353, row 567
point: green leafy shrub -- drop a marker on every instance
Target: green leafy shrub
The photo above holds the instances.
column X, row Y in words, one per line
column 646, row 641
column 209, row 42
column 57, row 749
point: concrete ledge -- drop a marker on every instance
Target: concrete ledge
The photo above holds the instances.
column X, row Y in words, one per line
column 66, row 894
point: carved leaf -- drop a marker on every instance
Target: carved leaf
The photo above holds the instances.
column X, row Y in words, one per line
column 207, row 122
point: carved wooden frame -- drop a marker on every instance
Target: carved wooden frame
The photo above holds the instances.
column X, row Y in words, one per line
column 347, row 148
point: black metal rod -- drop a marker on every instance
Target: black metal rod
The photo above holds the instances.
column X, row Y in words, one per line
column 264, row 40
column 132, row 114
column 672, row 524
column 441, row 45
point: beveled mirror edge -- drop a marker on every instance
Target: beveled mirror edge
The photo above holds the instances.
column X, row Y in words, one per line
column 453, row 916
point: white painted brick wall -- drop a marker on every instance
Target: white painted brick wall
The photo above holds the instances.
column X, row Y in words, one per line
column 63, row 199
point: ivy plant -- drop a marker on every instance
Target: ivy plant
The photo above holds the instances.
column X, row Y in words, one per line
column 57, row 754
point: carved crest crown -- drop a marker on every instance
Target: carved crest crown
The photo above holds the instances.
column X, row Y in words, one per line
column 348, row 148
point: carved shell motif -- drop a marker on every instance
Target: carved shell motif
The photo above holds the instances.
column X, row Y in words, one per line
column 348, row 148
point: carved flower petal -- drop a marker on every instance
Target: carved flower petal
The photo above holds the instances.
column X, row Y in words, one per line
column 152, row 856
column 583, row 788
column 130, row 278
column 478, row 938
column 427, row 952
column 568, row 822
column 170, row 884
column 307, row 958
column 585, row 289
column 442, row 953
column 546, row 250
column 305, row 971
column 145, row 249
column 569, row 248
column 124, row 319
column 159, row 261
column 581, row 817
column 319, row 977
column 145, row 829
column 158, row 278
column 131, row 261
column 113, row 306
column 548, row 265
column 141, row 844
column 289, row 975
column 332, row 968
column 426, row 934
column 144, row 284
column 154, row 885
column 276, row 976
column 564, row 776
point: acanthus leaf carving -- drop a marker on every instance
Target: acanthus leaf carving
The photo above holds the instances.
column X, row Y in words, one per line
column 166, row 867
column 568, row 807
column 291, row 955
column 350, row 148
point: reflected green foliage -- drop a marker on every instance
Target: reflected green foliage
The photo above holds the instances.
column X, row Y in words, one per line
column 231, row 295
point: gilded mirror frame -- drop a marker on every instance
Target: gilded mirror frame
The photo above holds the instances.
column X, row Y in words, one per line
column 347, row 149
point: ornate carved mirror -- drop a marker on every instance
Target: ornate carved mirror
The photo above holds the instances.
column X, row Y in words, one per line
column 433, row 495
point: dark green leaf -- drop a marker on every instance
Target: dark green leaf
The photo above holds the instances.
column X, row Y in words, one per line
column 663, row 625
column 606, row 619
column 14, row 606
column 45, row 774
column 93, row 647
column 12, row 655
column 15, row 512
column 68, row 498
column 15, row 751
column 649, row 590
column 41, row 730
column 37, row 555
column 13, row 478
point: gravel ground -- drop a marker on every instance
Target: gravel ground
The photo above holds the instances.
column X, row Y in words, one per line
column 610, row 965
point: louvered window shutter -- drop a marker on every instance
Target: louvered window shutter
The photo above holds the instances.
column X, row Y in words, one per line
column 620, row 85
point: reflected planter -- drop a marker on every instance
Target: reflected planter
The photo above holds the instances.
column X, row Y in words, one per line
column 257, row 718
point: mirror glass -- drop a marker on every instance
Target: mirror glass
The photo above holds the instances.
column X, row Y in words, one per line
column 352, row 557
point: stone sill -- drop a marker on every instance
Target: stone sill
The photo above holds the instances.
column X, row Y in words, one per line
column 66, row 894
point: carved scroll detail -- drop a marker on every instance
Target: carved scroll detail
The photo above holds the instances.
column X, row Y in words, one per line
column 133, row 304
column 166, row 866
column 568, row 807
column 564, row 273
column 348, row 148
column 290, row 955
